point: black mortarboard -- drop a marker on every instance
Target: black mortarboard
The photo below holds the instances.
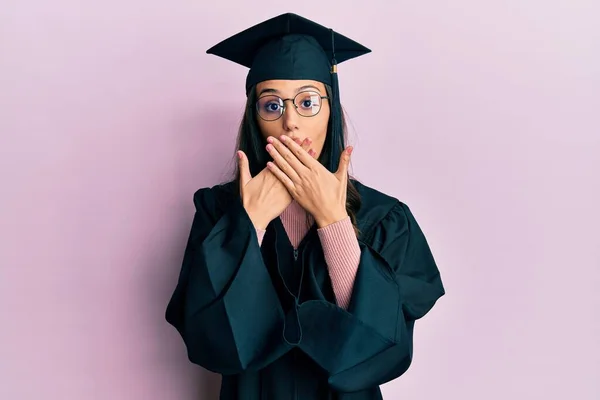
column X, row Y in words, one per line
column 292, row 47
column 288, row 47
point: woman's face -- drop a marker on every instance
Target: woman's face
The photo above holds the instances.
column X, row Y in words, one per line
column 291, row 123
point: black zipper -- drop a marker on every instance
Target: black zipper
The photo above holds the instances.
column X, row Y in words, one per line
column 295, row 362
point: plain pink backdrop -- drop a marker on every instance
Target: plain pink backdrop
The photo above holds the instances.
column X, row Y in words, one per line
column 482, row 116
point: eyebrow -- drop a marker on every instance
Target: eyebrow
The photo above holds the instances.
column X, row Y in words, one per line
column 271, row 90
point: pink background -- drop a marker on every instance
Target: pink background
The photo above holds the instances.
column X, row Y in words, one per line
column 482, row 116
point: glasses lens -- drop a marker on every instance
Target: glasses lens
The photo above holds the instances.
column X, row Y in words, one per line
column 269, row 107
column 308, row 103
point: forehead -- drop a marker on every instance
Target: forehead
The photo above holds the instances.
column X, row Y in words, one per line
column 288, row 87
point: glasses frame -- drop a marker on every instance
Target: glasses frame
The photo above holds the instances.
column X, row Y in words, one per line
column 284, row 107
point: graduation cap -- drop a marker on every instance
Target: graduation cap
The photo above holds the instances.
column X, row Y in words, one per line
column 289, row 46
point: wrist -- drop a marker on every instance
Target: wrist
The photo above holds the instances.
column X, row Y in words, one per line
column 259, row 222
column 330, row 218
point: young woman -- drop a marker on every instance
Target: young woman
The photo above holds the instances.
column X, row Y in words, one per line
column 299, row 282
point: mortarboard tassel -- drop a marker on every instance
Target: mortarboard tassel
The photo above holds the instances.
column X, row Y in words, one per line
column 336, row 114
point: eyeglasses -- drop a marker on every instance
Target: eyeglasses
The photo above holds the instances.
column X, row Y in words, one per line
column 307, row 104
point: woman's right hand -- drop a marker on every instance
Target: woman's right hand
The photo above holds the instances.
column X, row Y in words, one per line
column 264, row 196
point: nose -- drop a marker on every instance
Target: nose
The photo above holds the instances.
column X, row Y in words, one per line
column 290, row 118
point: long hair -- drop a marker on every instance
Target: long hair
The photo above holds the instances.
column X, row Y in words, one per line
column 252, row 143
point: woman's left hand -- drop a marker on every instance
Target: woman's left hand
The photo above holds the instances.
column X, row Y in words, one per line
column 314, row 187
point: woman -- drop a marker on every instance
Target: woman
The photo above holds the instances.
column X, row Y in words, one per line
column 297, row 281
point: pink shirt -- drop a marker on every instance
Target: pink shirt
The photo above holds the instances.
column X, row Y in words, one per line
column 340, row 248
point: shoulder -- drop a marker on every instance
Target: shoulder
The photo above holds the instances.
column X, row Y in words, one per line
column 379, row 209
column 374, row 197
column 215, row 199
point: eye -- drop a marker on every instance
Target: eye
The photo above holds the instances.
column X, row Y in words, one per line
column 269, row 105
column 272, row 107
column 306, row 103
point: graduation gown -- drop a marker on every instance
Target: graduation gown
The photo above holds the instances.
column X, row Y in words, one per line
column 266, row 319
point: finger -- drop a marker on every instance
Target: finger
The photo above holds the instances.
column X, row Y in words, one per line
column 282, row 162
column 279, row 174
column 245, row 175
column 342, row 171
column 305, row 144
column 295, row 155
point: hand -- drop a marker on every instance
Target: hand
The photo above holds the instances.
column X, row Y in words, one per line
column 317, row 190
column 264, row 197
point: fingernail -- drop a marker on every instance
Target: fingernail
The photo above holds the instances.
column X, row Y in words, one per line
column 239, row 155
column 269, row 147
column 283, row 138
column 270, row 139
column 350, row 150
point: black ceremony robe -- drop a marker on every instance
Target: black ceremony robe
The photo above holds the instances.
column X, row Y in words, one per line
column 265, row 318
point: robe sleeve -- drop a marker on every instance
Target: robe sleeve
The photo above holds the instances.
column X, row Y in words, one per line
column 224, row 305
column 397, row 283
